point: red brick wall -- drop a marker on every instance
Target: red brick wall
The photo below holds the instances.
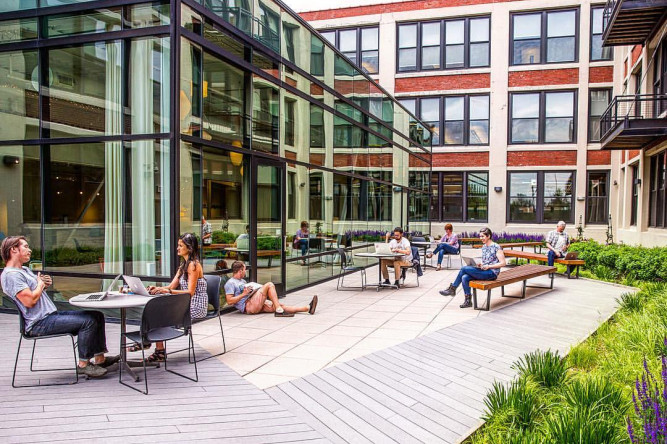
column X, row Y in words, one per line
column 316, row 90
column 544, row 77
column 623, row 156
column 633, row 153
column 541, row 158
column 601, row 74
column 363, row 160
column 461, row 160
column 390, row 7
column 430, row 83
column 317, row 159
column 636, row 52
column 598, row 157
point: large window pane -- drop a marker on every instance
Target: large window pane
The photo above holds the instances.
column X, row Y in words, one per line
column 598, row 104
column 478, row 195
column 19, row 102
column 597, row 197
column 523, row 197
column 85, row 93
column 452, row 196
column 265, row 116
column 557, row 196
column 407, row 44
column 559, row 123
column 598, row 52
column 18, row 30
column 527, row 33
column 102, row 20
column 561, row 31
column 525, row 121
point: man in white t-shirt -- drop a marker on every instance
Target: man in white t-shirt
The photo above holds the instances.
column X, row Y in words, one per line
column 398, row 244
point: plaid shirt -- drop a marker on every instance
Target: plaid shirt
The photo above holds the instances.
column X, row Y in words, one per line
column 552, row 238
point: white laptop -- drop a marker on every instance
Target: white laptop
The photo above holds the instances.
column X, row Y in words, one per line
column 382, row 248
column 136, row 286
column 469, row 261
column 100, row 296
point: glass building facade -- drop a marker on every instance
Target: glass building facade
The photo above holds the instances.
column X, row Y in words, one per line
column 125, row 123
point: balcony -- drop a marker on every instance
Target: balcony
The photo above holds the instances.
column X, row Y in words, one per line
column 632, row 122
column 631, row 22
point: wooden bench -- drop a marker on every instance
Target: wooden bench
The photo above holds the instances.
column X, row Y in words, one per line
column 511, row 276
column 543, row 258
column 513, row 245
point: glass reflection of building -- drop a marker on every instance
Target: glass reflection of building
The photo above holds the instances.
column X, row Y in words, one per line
column 123, row 126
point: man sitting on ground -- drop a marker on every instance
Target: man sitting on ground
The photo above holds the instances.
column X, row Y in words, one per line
column 401, row 245
column 241, row 296
column 41, row 316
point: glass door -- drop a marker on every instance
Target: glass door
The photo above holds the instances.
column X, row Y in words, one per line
column 269, row 230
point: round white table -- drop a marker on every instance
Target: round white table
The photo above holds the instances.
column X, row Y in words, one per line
column 115, row 300
column 380, row 256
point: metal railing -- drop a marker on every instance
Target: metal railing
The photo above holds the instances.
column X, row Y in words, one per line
column 608, row 13
column 634, row 107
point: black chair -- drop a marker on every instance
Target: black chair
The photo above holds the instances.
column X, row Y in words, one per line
column 164, row 318
column 416, row 265
column 344, row 268
column 32, row 357
column 213, row 283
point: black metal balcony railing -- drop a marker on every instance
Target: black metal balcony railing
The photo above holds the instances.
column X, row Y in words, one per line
column 632, row 121
column 630, row 22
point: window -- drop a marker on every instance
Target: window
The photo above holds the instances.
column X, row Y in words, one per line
column 316, row 56
column 316, row 126
column 543, row 117
column 360, row 45
column 660, row 77
column 544, row 37
column 598, row 52
column 459, row 196
column 464, row 119
column 291, row 195
column 657, row 197
column 597, row 197
column 541, row 197
column 290, row 122
column 599, row 101
column 452, row 44
column 635, row 194
column 315, row 196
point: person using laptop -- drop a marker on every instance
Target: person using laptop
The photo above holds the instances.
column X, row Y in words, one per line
column 301, row 240
column 28, row 291
column 190, row 280
column 449, row 244
column 401, row 245
column 558, row 242
column 493, row 259
column 262, row 300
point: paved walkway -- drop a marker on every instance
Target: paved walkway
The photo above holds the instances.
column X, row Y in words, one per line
column 425, row 386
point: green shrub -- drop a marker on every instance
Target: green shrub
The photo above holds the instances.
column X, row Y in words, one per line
column 223, row 237
column 516, row 406
column 583, row 356
column 545, row 368
column 630, row 301
column 595, row 393
column 268, row 243
column 585, row 426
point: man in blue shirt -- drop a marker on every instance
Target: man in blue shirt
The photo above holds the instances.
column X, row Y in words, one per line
column 28, row 291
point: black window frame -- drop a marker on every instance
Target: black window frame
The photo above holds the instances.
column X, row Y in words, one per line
column 541, row 130
column 593, row 34
column 539, row 196
column 440, row 216
column 443, row 44
column 596, row 118
column 604, row 198
column 442, row 121
column 657, row 209
column 359, row 50
column 634, row 200
column 543, row 36
column 660, row 77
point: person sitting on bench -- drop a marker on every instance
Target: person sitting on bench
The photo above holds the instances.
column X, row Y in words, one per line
column 493, row 260
column 557, row 242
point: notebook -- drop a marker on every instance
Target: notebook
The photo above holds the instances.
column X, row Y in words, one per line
column 254, row 285
column 382, row 248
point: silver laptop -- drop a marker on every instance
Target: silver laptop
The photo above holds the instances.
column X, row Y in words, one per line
column 382, row 248
column 100, row 296
column 571, row 256
column 469, row 261
column 136, row 286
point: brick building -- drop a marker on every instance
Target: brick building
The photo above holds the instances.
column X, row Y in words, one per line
column 513, row 91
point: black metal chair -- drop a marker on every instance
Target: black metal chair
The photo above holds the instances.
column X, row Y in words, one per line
column 345, row 268
column 213, row 283
column 416, row 265
column 164, row 318
column 25, row 336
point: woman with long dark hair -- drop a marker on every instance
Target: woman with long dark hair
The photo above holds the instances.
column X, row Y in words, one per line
column 190, row 280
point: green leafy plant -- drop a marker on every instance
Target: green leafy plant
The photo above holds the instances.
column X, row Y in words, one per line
column 515, row 406
column 595, row 393
column 583, row 356
column 583, row 425
column 223, row 237
column 545, row 368
column 630, row 301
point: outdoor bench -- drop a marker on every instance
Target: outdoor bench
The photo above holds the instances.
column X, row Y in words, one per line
column 543, row 258
column 506, row 277
column 513, row 245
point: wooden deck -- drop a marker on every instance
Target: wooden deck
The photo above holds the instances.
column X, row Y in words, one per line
column 429, row 389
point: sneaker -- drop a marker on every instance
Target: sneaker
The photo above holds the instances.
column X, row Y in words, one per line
column 313, row 305
column 397, row 284
column 109, row 361
column 91, row 371
column 283, row 314
column 386, row 282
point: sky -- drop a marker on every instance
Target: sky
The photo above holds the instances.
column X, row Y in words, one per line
column 317, row 5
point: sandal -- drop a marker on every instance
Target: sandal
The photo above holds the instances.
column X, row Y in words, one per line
column 157, row 356
column 138, row 347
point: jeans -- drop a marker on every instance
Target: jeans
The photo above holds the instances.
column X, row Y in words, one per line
column 87, row 325
column 303, row 244
column 552, row 256
column 468, row 273
column 443, row 248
